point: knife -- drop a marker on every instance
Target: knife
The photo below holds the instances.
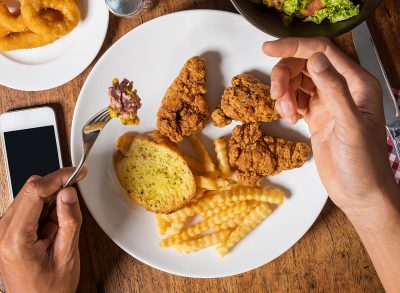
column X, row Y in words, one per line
column 369, row 59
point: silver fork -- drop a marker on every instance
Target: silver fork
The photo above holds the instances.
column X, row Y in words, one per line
column 90, row 133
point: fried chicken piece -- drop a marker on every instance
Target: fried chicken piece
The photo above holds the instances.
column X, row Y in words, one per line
column 219, row 118
column 256, row 155
column 184, row 108
column 248, row 100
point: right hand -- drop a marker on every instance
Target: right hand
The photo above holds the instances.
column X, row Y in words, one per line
column 342, row 105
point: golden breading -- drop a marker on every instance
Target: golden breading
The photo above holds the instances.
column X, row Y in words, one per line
column 155, row 175
column 248, row 100
column 256, row 155
column 219, row 118
column 185, row 109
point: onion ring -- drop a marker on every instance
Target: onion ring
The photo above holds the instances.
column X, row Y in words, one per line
column 10, row 21
column 24, row 40
column 3, row 31
column 31, row 12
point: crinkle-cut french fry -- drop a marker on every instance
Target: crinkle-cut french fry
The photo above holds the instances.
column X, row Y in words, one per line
column 222, row 156
column 192, row 209
column 224, row 205
column 205, row 156
column 205, row 182
column 202, row 242
column 204, row 225
column 231, row 223
column 200, row 192
column 220, row 189
column 162, row 224
column 243, row 193
column 215, row 210
column 194, row 165
column 175, row 227
column 256, row 216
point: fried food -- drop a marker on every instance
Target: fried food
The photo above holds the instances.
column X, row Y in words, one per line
column 248, row 100
column 219, row 118
column 228, row 213
column 124, row 102
column 248, row 224
column 37, row 23
column 185, row 109
column 243, row 193
column 256, row 155
column 203, row 242
column 24, row 40
column 155, row 175
column 124, row 142
column 222, row 156
column 12, row 22
column 205, row 225
column 31, row 13
column 205, row 157
column 3, row 31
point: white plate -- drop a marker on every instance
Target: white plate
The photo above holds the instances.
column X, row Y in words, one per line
column 58, row 63
column 152, row 56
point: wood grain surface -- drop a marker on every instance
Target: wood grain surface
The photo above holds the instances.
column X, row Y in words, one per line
column 329, row 258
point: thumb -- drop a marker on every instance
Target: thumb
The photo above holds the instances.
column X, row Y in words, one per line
column 332, row 86
column 69, row 222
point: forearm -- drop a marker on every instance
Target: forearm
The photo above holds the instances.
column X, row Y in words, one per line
column 379, row 230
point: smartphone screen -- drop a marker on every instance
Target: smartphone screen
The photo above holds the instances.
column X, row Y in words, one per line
column 30, row 152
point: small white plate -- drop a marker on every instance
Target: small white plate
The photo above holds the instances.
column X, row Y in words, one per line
column 57, row 63
column 152, row 56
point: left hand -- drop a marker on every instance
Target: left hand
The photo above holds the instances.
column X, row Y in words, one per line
column 44, row 259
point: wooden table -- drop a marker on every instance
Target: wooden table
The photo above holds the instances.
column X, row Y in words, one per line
column 329, row 258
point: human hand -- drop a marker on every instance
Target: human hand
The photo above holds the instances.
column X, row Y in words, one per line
column 42, row 259
column 342, row 105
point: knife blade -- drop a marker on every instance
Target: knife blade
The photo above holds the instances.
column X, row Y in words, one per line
column 370, row 60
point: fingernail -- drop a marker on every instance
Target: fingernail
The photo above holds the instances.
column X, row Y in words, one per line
column 285, row 108
column 69, row 197
column 320, row 63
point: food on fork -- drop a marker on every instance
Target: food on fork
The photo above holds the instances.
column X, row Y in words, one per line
column 37, row 23
column 184, row 108
column 124, row 101
column 153, row 173
column 248, row 100
column 256, row 155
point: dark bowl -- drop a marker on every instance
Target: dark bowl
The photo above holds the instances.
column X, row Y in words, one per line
column 269, row 20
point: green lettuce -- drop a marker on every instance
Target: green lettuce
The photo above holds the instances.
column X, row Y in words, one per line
column 335, row 10
column 291, row 6
column 318, row 16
